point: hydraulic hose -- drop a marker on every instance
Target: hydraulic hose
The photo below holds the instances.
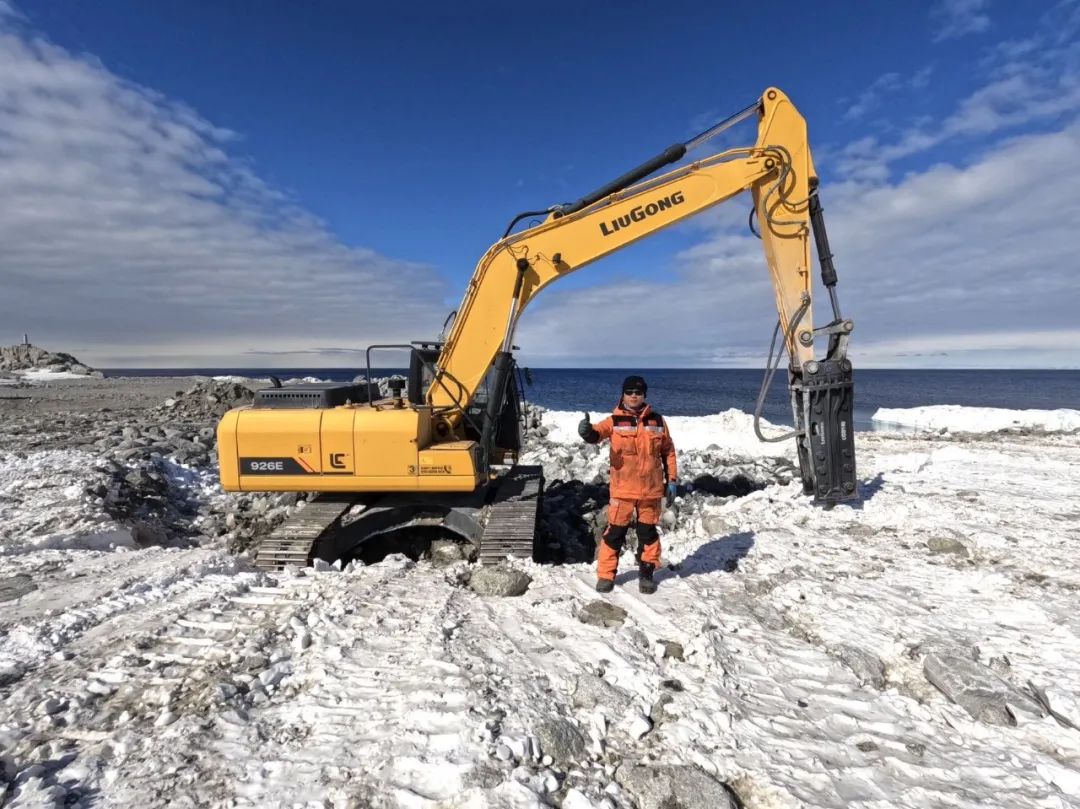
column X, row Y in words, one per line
column 521, row 216
column 770, row 372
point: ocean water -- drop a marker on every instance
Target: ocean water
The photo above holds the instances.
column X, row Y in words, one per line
column 699, row 392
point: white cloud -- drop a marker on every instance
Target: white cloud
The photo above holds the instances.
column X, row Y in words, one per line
column 952, row 266
column 130, row 230
column 957, row 18
column 131, row 234
column 1027, row 82
column 885, row 85
column 871, row 96
column 1039, row 348
column 921, row 78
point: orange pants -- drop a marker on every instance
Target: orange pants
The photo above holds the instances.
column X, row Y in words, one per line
column 620, row 512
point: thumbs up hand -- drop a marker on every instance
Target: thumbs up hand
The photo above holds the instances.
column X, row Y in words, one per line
column 584, row 427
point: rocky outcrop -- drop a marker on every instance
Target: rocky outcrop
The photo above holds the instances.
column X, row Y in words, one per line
column 206, row 400
column 27, row 357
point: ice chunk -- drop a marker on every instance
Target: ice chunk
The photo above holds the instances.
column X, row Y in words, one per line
column 956, row 418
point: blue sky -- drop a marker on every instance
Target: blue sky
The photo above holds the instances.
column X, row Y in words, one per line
column 255, row 183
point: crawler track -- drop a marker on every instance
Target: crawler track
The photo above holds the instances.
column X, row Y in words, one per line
column 511, row 524
column 293, row 541
column 509, row 530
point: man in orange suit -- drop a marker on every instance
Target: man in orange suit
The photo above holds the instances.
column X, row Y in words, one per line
column 643, row 471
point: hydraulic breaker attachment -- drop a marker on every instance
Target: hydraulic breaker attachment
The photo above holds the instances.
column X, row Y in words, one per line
column 822, row 398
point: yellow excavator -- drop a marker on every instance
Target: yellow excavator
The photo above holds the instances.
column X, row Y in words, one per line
column 439, row 456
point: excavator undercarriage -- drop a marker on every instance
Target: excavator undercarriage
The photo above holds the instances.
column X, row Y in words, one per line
column 494, row 522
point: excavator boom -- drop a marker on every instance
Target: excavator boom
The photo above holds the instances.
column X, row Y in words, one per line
column 779, row 172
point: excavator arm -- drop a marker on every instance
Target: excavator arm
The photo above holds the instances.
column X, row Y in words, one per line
column 778, row 171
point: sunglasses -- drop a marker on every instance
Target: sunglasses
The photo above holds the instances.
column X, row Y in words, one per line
column 634, row 392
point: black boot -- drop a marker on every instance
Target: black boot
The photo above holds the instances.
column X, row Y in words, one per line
column 604, row 585
column 645, row 580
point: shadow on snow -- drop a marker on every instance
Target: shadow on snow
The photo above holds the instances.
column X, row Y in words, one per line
column 717, row 555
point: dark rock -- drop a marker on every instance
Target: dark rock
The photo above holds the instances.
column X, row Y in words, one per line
column 866, row 666
column 499, row 580
column 979, row 691
column 601, row 613
column 12, row 587
column 947, row 545
column 148, row 532
column 658, row 712
column 573, row 514
column 590, row 691
column 446, row 552
column 739, row 485
column 561, row 740
column 671, row 649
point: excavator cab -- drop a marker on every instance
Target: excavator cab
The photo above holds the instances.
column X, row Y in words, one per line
column 506, row 435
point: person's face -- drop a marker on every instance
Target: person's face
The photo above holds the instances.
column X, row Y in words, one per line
column 633, row 397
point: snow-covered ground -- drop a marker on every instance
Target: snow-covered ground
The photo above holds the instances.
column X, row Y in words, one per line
column 785, row 652
column 40, row 375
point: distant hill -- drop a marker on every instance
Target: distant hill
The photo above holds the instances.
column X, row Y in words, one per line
column 26, row 357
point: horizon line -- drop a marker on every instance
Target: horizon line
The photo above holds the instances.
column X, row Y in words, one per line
column 555, row 368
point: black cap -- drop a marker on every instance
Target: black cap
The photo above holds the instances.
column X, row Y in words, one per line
column 635, row 382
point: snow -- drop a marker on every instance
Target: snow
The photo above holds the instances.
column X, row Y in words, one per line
column 158, row 676
column 43, row 504
column 295, row 380
column 232, row 378
column 730, row 431
column 956, row 418
column 47, row 375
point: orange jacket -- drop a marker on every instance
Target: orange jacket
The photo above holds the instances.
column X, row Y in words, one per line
column 642, row 453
